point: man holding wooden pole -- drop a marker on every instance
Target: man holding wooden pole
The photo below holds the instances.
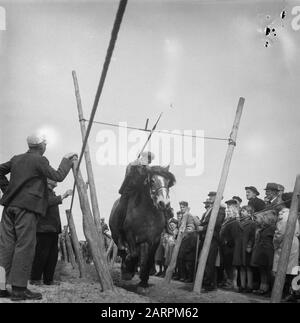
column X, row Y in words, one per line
column 48, row 229
column 216, row 207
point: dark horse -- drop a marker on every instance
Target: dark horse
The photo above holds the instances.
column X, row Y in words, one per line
column 146, row 218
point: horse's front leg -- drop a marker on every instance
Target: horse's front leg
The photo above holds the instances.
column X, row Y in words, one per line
column 144, row 270
column 147, row 262
column 130, row 263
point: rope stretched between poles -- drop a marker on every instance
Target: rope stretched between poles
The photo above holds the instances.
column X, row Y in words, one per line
column 109, row 52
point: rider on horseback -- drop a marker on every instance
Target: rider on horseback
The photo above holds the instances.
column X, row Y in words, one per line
column 130, row 186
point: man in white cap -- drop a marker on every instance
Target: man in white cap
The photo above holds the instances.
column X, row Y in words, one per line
column 128, row 187
column 25, row 199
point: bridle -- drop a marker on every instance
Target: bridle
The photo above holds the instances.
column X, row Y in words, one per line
column 154, row 191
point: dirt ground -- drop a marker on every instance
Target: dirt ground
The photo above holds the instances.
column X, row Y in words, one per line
column 75, row 290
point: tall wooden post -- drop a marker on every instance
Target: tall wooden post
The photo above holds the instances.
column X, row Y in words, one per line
column 175, row 252
column 91, row 233
column 88, row 162
column 287, row 245
column 75, row 241
column 220, row 191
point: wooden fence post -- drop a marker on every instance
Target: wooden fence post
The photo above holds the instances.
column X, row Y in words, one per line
column 173, row 261
column 91, row 233
column 287, row 245
column 75, row 242
column 216, row 207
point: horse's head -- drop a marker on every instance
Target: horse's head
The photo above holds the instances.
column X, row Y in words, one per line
column 160, row 180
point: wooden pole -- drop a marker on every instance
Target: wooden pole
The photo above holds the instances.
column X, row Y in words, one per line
column 91, row 233
column 75, row 242
column 88, row 162
column 64, row 248
column 175, row 252
column 70, row 250
column 220, row 191
column 287, row 245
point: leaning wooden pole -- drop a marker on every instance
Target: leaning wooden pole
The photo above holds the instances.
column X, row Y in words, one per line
column 64, row 248
column 75, row 243
column 287, row 245
column 91, row 233
column 87, row 156
column 220, row 191
column 175, row 252
column 70, row 250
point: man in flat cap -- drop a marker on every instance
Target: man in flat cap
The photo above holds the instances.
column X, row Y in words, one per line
column 253, row 200
column 25, row 199
column 140, row 166
column 272, row 194
column 209, row 282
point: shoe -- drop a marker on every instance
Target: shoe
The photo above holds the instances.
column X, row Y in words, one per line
column 4, row 293
column 159, row 274
column 290, row 299
column 209, row 288
column 188, row 280
column 36, row 282
column 248, row 290
column 182, row 279
column 25, row 295
column 261, row 292
column 52, row 283
column 176, row 278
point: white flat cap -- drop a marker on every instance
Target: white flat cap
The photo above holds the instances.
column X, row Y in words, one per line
column 35, row 140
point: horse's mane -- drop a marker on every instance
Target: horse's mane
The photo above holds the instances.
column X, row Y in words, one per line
column 163, row 171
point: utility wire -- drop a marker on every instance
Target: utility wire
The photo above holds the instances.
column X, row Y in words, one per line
column 158, row 131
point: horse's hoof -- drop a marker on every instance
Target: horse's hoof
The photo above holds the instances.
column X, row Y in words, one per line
column 126, row 276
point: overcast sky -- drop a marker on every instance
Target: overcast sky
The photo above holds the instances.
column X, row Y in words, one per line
column 198, row 56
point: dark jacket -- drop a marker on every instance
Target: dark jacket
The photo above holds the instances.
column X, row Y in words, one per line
column 205, row 221
column 51, row 222
column 263, row 251
column 257, row 204
column 236, row 237
column 27, row 187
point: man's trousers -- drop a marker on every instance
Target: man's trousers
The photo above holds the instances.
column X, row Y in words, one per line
column 17, row 244
column 46, row 256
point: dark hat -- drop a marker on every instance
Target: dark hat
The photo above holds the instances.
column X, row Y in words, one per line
column 230, row 202
column 212, row 193
column 280, row 187
column 184, row 203
column 237, row 198
column 253, row 189
column 272, row 187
